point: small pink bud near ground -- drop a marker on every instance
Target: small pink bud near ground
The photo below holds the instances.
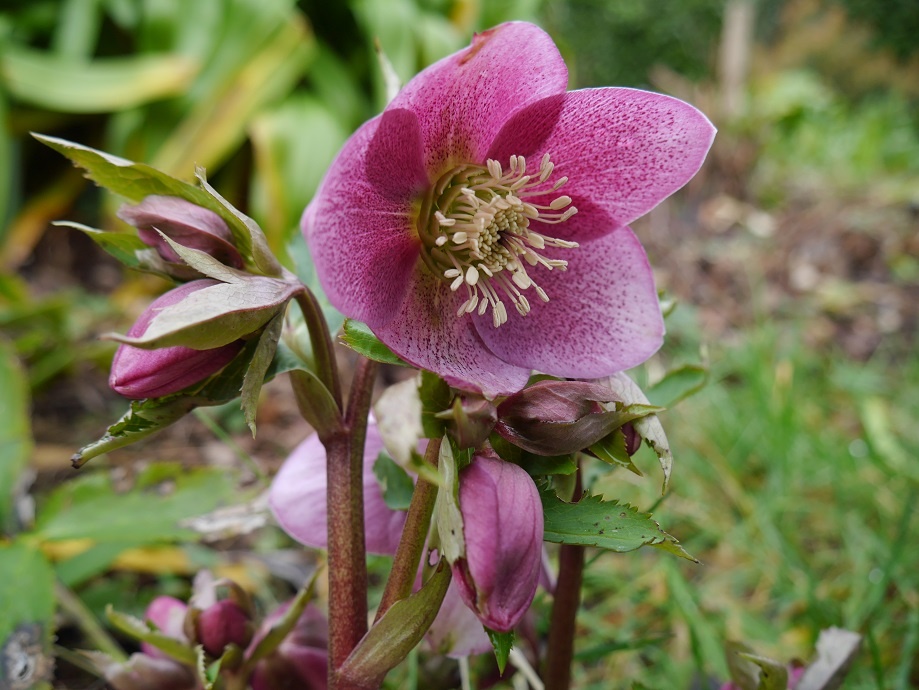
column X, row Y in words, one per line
column 144, row 672
column 168, row 615
column 138, row 373
column 183, row 222
column 503, row 531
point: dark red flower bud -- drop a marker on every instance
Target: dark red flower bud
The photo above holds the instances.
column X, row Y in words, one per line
column 223, row 624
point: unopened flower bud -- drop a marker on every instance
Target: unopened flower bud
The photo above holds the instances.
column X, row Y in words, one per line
column 138, row 373
column 143, row 672
column 556, row 417
column 632, row 438
column 168, row 615
column 503, row 530
column 185, row 223
column 470, row 421
column 223, row 624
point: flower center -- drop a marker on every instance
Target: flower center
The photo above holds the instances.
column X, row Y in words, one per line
column 477, row 233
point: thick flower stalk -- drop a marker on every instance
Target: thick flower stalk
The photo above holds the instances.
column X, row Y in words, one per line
column 138, row 373
column 479, row 225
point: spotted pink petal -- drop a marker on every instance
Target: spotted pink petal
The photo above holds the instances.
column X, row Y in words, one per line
column 428, row 334
column 463, row 100
column 602, row 315
column 360, row 224
column 623, row 151
column 298, row 498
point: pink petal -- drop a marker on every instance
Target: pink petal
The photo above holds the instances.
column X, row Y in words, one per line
column 463, row 100
column 298, row 498
column 359, row 225
column 428, row 334
column 456, row 632
column 602, row 316
column 623, row 150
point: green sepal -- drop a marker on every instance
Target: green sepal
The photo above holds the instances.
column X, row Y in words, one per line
column 502, row 643
column 400, row 629
column 122, row 246
column 258, row 368
column 604, row 524
column 358, row 336
column 435, row 397
column 315, row 402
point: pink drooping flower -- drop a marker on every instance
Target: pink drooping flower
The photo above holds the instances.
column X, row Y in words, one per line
column 298, row 497
column 503, row 530
column 479, row 224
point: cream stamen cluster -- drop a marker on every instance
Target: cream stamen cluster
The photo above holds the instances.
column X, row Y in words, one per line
column 479, row 236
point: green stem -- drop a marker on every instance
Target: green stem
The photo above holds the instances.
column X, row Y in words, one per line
column 347, row 553
column 562, row 623
column 321, row 342
column 411, row 544
column 87, row 622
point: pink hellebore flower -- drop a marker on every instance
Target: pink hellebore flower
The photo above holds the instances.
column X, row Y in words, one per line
column 168, row 615
column 503, row 530
column 138, row 373
column 298, row 497
column 479, row 224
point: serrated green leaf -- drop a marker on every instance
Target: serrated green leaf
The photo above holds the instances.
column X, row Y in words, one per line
column 15, row 430
column 396, row 485
column 392, row 637
column 164, row 495
column 27, row 602
column 101, row 85
column 612, row 450
column 595, row 522
column 502, row 643
column 361, row 339
column 678, row 384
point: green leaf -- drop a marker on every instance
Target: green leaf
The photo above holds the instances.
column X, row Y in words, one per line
column 121, row 245
column 392, row 637
column 435, row 397
column 612, row 450
column 283, row 626
column 678, row 384
column 397, row 486
column 772, row 676
column 164, row 495
column 258, row 368
column 144, row 632
column 99, row 86
column 604, row 524
column 361, row 339
column 216, row 315
column 315, row 402
column 502, row 643
column 26, row 626
column 15, row 431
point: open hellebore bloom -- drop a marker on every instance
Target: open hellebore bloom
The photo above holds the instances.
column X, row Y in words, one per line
column 479, row 224
column 184, row 222
column 298, row 497
column 503, row 530
column 138, row 373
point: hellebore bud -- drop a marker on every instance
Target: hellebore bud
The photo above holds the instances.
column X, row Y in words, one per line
column 223, row 624
column 470, row 421
column 183, row 222
column 503, row 530
column 138, row 373
column 301, row 661
column 168, row 615
column 557, row 417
